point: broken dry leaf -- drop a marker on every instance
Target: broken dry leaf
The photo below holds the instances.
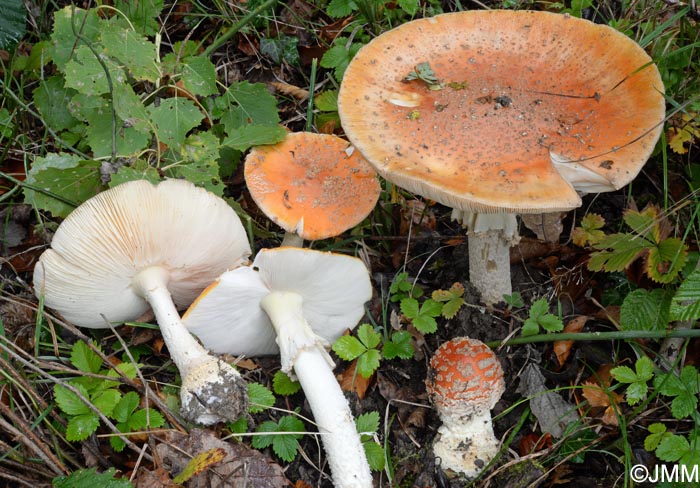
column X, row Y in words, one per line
column 562, row 349
column 552, row 411
column 200, row 463
column 547, row 226
column 351, row 380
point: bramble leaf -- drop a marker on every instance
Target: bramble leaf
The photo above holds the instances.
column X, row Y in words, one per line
column 645, row 310
column 685, row 304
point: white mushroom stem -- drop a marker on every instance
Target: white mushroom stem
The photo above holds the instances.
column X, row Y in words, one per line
column 212, row 390
column 292, row 239
column 490, row 238
column 303, row 350
column 465, row 445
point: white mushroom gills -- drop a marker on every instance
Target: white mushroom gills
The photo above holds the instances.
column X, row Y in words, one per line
column 303, row 351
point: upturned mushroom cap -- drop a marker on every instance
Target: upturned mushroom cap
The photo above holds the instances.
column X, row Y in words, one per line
column 334, row 289
column 101, row 247
column 315, row 185
column 528, row 109
column 465, row 377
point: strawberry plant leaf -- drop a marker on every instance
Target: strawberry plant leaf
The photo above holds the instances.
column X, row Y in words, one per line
column 368, row 363
column 624, row 374
column 616, row 251
column 82, row 426
column 69, row 402
column 283, row 384
column 367, row 422
column 666, row 260
column 259, row 398
column 84, row 358
column 106, row 400
column 672, row 447
column 90, row 478
column 589, row 232
column 348, row 347
column 657, row 431
column 125, row 407
column 399, row 346
column 367, row 335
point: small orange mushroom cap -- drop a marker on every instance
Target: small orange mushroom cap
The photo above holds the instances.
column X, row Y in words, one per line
column 464, row 377
column 315, row 185
column 529, row 109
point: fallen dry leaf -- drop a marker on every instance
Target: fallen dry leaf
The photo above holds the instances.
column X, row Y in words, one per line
column 239, row 465
column 351, row 380
column 533, row 442
column 562, row 349
column 596, row 390
column 547, row 226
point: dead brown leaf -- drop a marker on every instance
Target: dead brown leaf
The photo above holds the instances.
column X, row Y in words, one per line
column 562, row 349
column 351, row 380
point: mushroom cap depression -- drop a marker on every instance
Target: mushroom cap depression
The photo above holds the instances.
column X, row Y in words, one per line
column 104, row 243
column 527, row 109
column 315, row 185
column 227, row 316
column 464, row 376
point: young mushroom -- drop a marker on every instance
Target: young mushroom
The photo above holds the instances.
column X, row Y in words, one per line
column 314, row 186
column 495, row 113
column 137, row 245
column 294, row 302
column 465, row 381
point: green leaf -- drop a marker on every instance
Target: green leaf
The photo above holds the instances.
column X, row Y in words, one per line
column 368, row 363
column 624, row 374
column 143, row 14
column 12, row 23
column 666, row 260
column 368, row 336
column 539, row 308
column 589, row 232
column 84, row 358
column 63, row 40
column 685, row 304
column 425, row 324
column 106, row 400
column 645, row 368
column 284, row 49
column 82, row 426
column 636, row 392
column 90, row 478
column 74, row 181
column 139, row 170
column 69, row 402
column 145, row 418
column 616, row 252
column 259, row 398
column 131, row 140
column 450, row 308
column 247, row 136
column 51, row 99
column 399, row 346
column 283, row 385
column 136, row 53
column 375, row 455
column 327, row 101
column 645, row 310
column 248, row 104
column 530, row 327
column 410, row 307
column 204, row 173
column 125, row 407
column 551, row 323
column 199, row 75
column 173, row 119
column 367, row 422
column 340, row 8
column 85, row 74
column 130, row 109
column 431, row 308
column 285, row 447
column 657, row 431
column 263, row 441
column 672, row 447
column 339, row 56
column 348, row 347
column 409, row 6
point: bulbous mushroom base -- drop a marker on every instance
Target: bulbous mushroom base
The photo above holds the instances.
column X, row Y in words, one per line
column 466, row 448
column 213, row 392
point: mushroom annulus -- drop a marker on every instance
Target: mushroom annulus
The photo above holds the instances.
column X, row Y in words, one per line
column 294, row 302
column 139, row 245
column 314, row 186
column 465, row 381
column 500, row 112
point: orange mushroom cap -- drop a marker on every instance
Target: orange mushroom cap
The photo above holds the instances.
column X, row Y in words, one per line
column 464, row 377
column 529, row 108
column 316, row 185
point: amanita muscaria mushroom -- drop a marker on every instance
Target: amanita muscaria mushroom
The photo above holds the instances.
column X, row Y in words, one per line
column 314, row 186
column 295, row 301
column 137, row 245
column 504, row 112
column 465, row 381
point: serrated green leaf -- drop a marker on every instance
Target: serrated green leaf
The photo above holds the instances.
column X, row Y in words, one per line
column 63, row 40
column 51, row 99
column 245, row 137
column 199, row 75
column 69, row 402
column 685, row 304
column 644, row 368
column 90, row 478
column 143, row 14
column 367, row 422
column 431, row 308
column 145, row 418
column 248, row 104
column 410, row 307
column 666, row 260
column 130, row 140
column 283, row 385
column 375, row 455
column 669, row 384
column 285, row 447
column 82, row 426
column 624, row 374
column 616, row 252
column 139, row 170
column 204, row 173
column 450, row 308
column 672, row 447
column 641, row 222
column 85, row 74
column 367, row 335
column 551, row 323
column 340, row 8
column 645, row 310
column 259, row 398
column 72, row 183
column 348, row 347
column 327, row 101
column 399, row 346
column 84, row 358
column 684, row 405
column 133, row 51
column 290, row 423
column 657, row 433
column 263, row 441
column 539, row 308
column 409, row 6
column 173, row 119
column 12, row 23
column 125, row 407
column 106, row 400
column 636, row 392
column 425, row 324
column 130, row 109
column 589, row 232
column 530, row 327
column 368, row 363
column 691, row 379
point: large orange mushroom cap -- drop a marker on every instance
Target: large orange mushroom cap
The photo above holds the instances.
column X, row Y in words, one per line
column 530, row 109
column 315, row 185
